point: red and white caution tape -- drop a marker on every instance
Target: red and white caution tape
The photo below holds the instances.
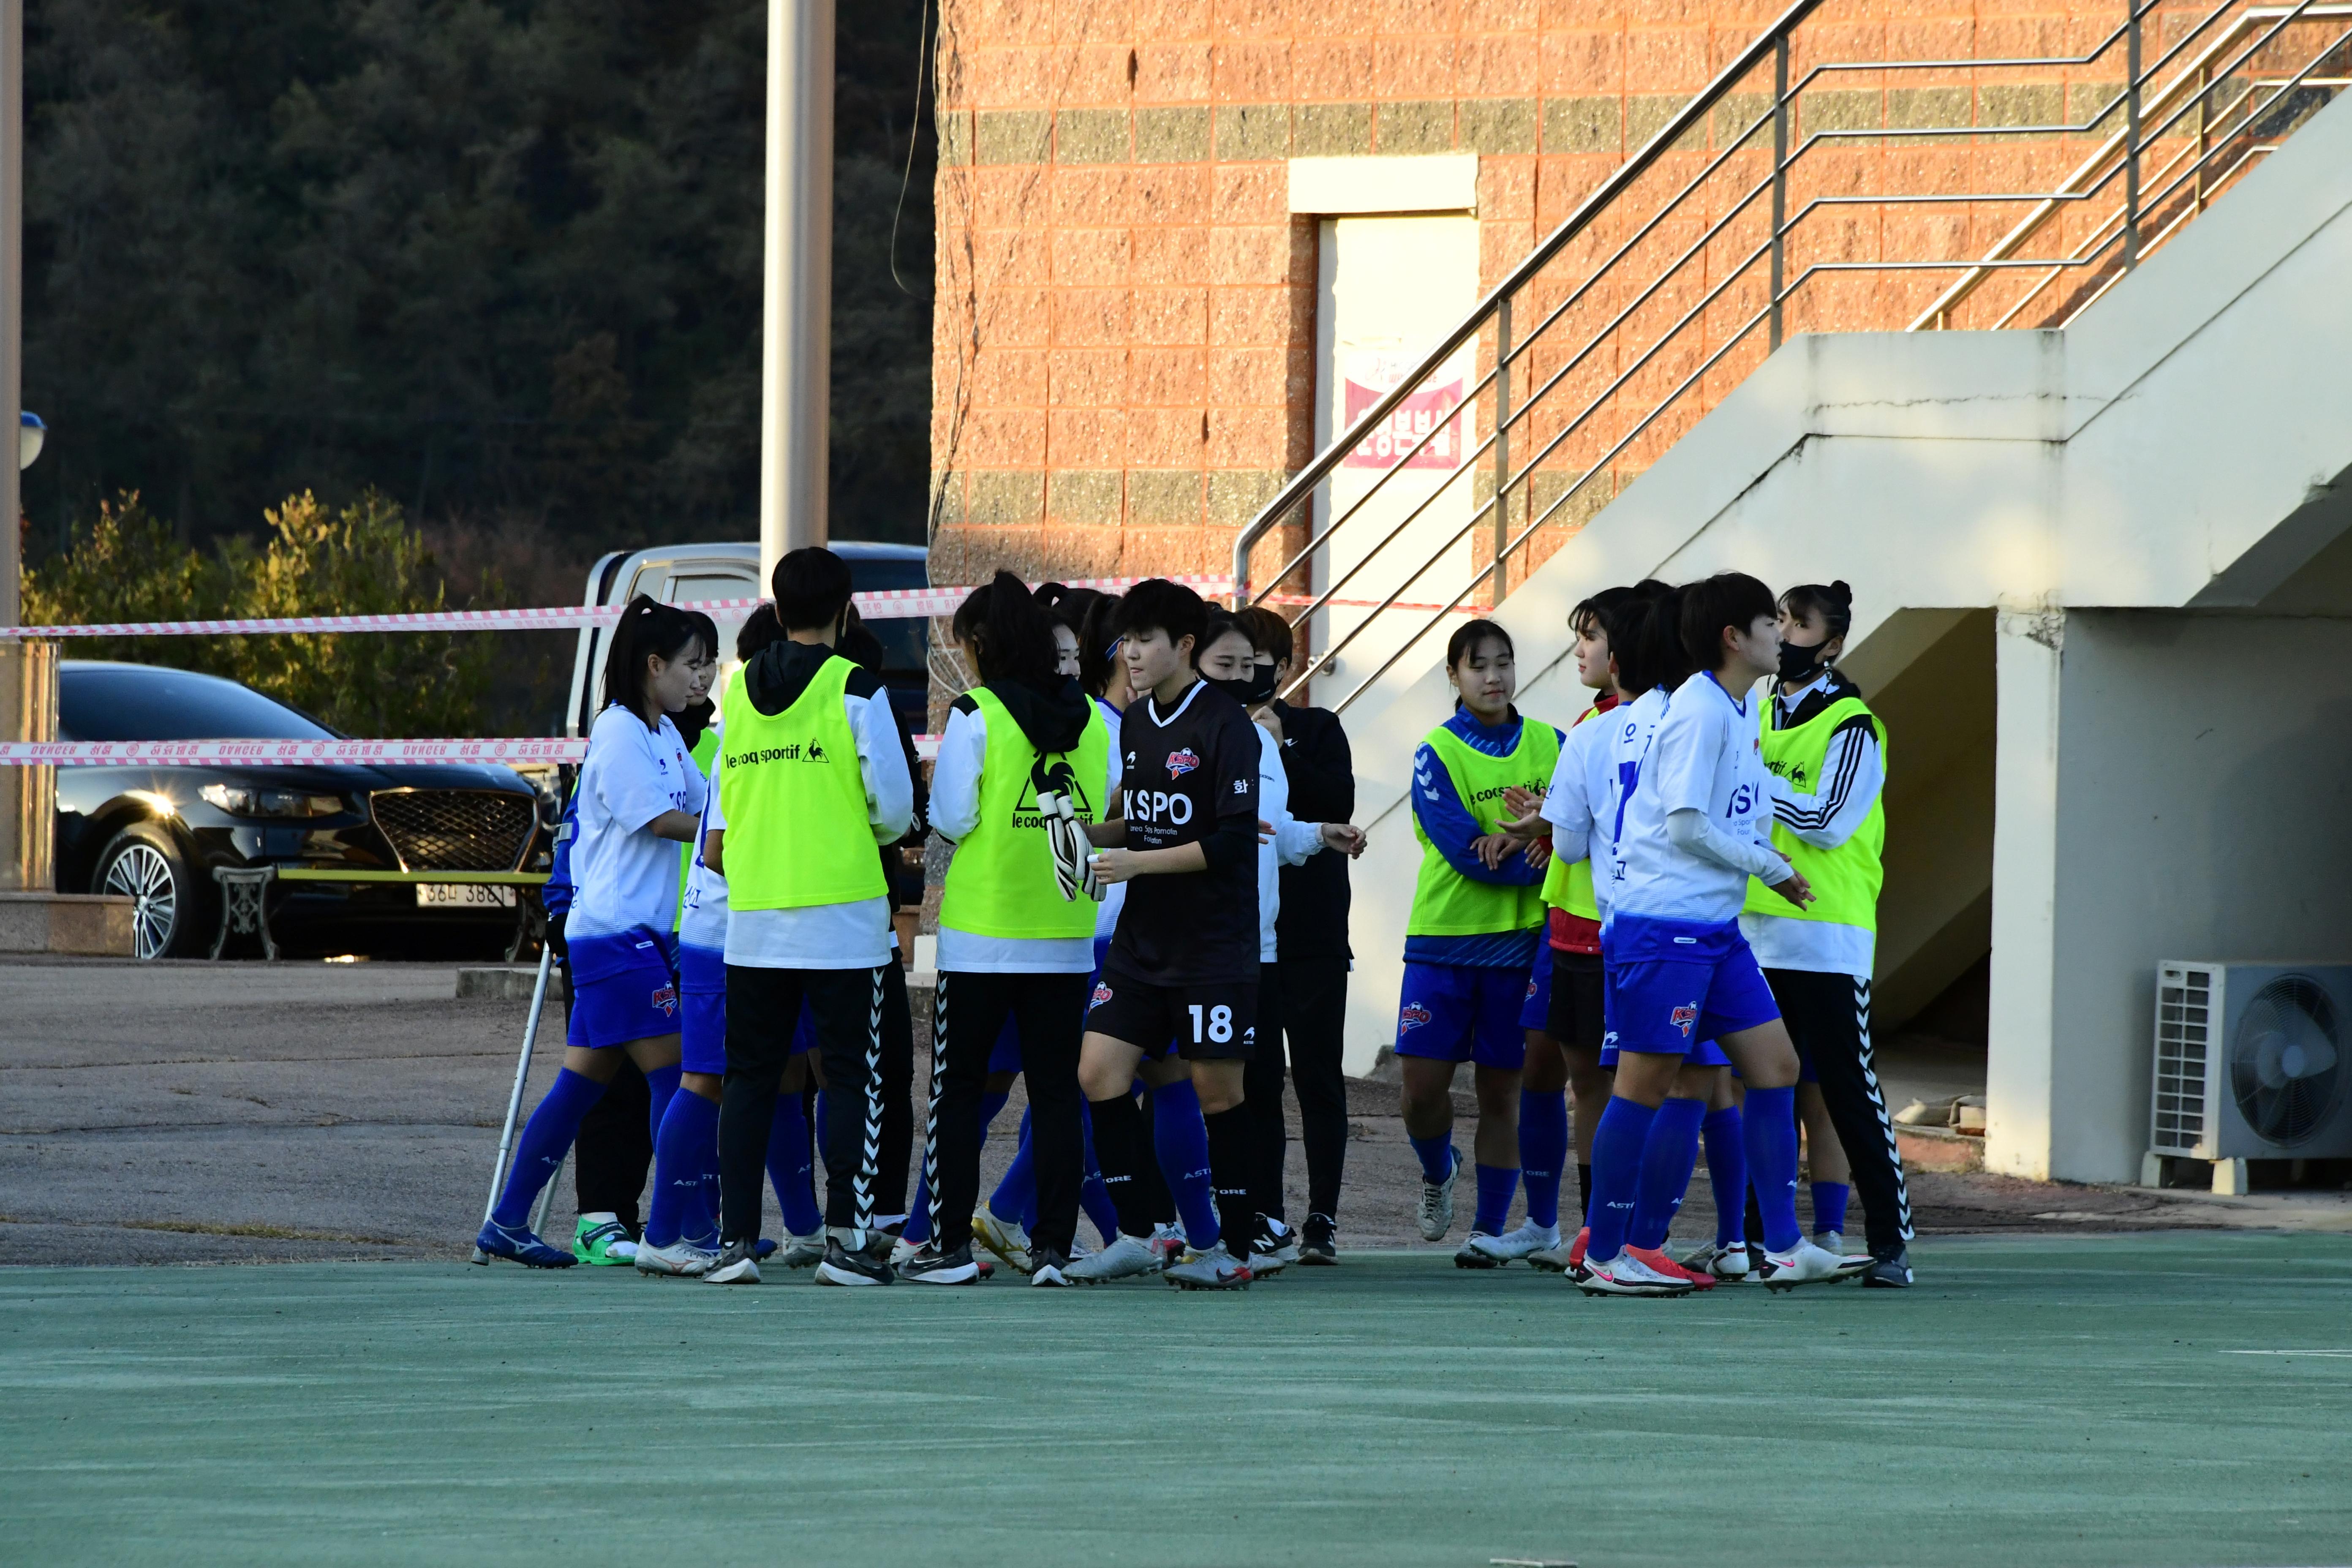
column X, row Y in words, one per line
column 295, row 753
column 884, row 604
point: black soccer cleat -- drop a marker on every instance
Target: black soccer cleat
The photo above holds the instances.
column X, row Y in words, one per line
column 1890, row 1272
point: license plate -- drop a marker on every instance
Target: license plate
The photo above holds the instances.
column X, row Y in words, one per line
column 464, row 896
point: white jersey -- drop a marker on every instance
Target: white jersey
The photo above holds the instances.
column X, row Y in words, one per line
column 1621, row 750
column 1114, row 896
column 622, row 875
column 1578, row 804
column 1292, row 843
column 703, row 921
column 1705, row 756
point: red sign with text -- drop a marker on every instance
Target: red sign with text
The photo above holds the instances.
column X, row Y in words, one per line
column 1432, row 408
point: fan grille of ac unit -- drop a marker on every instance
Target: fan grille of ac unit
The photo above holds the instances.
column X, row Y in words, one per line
column 2183, row 1038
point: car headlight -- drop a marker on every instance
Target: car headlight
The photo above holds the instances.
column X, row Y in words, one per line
column 243, row 800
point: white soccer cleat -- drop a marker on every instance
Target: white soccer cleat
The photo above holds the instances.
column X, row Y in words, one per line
column 739, row 1265
column 1005, row 1238
column 1167, row 1240
column 1731, row 1265
column 679, row 1260
column 1215, row 1270
column 1806, row 1264
column 800, row 1251
column 1626, row 1275
column 1830, row 1240
column 1122, row 1260
column 1524, row 1242
column 1436, row 1212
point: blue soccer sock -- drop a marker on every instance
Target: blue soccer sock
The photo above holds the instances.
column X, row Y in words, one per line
column 1180, row 1137
column 546, row 1139
column 1668, row 1155
column 1618, row 1139
column 791, row 1167
column 991, row 1102
column 1726, row 1173
column 684, row 1149
column 1017, row 1193
column 661, row 1083
column 1769, row 1127
column 1543, row 1150
column 1093, row 1197
column 1497, row 1183
column 1436, row 1156
column 1829, row 1205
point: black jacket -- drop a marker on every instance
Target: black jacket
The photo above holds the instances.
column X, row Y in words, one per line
column 1313, row 923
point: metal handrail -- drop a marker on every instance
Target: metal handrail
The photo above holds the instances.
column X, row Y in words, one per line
column 2147, row 114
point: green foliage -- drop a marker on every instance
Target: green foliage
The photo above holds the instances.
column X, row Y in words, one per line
column 499, row 258
column 358, row 560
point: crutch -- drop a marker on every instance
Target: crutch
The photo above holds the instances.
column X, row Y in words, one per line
column 514, row 1099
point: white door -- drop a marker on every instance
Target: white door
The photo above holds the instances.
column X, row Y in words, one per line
column 1389, row 288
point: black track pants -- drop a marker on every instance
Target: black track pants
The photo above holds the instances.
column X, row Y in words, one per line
column 762, row 1006
column 1049, row 1011
column 615, row 1149
column 1307, row 1001
column 1829, row 1018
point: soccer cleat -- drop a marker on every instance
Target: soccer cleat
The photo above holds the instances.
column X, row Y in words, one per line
column 1004, row 1238
column 929, row 1265
column 1275, row 1247
column 901, row 1251
column 1655, row 1260
column 1469, row 1257
column 1166, row 1243
column 680, row 1259
column 1725, row 1265
column 1317, row 1241
column 843, row 1266
column 1122, row 1260
column 1562, row 1260
column 1891, row 1272
column 1805, row 1264
column 1830, row 1240
column 1436, row 1212
column 515, row 1243
column 1524, row 1242
column 1626, row 1275
column 1052, row 1269
column 800, row 1251
column 738, row 1264
column 1215, row 1270
column 601, row 1240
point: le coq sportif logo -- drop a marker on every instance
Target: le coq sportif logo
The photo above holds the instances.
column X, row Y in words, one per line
column 796, row 752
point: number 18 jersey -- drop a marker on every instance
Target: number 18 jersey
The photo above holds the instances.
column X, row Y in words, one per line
column 1184, row 770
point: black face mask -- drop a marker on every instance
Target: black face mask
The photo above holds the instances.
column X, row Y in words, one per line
column 1798, row 661
column 1250, row 691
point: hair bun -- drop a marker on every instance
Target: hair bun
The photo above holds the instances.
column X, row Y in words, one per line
column 1841, row 593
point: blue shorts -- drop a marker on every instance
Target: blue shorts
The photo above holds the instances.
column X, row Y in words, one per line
column 1705, row 1054
column 804, row 1033
column 1456, row 1012
column 1680, row 1005
column 1536, row 1012
column 702, row 1021
column 624, row 988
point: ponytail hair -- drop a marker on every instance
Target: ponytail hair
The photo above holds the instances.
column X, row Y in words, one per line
column 648, row 630
column 1833, row 601
column 1098, row 637
column 1008, row 632
column 759, row 628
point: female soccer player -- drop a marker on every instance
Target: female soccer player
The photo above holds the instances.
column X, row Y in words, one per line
column 639, row 794
column 1470, row 941
column 1827, row 753
column 1678, row 970
column 1016, row 933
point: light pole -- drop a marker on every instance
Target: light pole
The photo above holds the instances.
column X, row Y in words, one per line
column 796, row 338
column 28, row 673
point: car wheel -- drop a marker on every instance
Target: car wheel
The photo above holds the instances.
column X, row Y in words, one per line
column 142, row 863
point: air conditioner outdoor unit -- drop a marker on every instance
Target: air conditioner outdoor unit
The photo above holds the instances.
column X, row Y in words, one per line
column 2250, row 1061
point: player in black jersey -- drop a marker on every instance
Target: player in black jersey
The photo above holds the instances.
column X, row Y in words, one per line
column 1182, row 967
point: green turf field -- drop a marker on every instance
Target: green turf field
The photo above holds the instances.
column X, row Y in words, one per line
column 2036, row 1402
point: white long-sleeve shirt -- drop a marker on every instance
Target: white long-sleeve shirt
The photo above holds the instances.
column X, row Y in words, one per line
column 955, row 812
column 1293, row 842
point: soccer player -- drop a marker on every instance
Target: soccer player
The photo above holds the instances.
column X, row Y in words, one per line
column 1827, row 753
column 1182, row 967
column 1692, row 830
column 812, row 779
column 1470, row 941
column 639, row 793
column 1016, row 932
column 1311, row 954
column 1229, row 662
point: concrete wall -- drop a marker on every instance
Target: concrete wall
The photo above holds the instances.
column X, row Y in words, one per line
column 2180, row 780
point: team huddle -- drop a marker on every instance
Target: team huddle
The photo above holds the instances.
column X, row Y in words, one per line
column 1667, row 912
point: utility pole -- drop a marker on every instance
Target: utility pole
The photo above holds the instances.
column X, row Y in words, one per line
column 796, row 338
column 27, row 673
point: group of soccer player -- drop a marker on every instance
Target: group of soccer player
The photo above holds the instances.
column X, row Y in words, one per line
column 1117, row 785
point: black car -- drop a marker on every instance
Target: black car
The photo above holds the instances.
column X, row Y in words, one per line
column 155, row 833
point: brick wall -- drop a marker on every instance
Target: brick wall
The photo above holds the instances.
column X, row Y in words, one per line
column 1124, row 333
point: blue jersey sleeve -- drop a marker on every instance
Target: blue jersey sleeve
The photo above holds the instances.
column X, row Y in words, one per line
column 1452, row 828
